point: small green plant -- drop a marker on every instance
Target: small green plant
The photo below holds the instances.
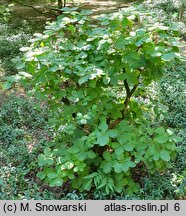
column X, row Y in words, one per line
column 94, row 77
column 174, row 6
column 9, row 49
column 179, row 184
column 5, row 12
column 171, row 12
column 14, row 34
column 22, row 130
column 173, row 94
column 15, row 184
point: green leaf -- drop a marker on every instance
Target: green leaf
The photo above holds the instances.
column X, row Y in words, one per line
column 162, row 139
column 155, row 53
column 49, row 161
column 119, row 176
column 7, row 85
column 82, row 156
column 118, row 168
column 112, row 133
column 102, row 139
column 106, row 80
column 131, row 164
column 132, row 188
column 119, row 186
column 41, row 160
column 81, row 167
column 132, row 17
column 91, row 155
column 92, row 175
column 119, row 151
column 107, row 167
column 83, row 121
column 115, row 145
column 165, row 155
column 84, row 79
column 170, row 132
column 107, row 156
column 140, row 32
column 11, row 80
column 103, row 183
column 88, row 185
column 86, row 12
column 121, row 42
column 103, row 126
column 52, row 175
column 41, row 175
column 156, row 156
column 52, row 183
column 74, row 149
column 67, row 165
column 24, row 49
column 71, row 176
column 125, row 22
column 168, row 56
column 125, row 166
column 59, row 182
column 176, row 138
column 47, row 152
column 160, row 130
column 67, row 9
column 128, row 147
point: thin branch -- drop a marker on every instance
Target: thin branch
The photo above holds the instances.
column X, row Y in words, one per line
column 127, row 100
column 134, row 88
column 126, row 103
column 116, row 122
column 84, row 129
column 127, row 87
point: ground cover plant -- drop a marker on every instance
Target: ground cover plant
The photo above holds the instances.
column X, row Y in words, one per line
column 94, row 78
column 171, row 12
column 15, row 31
column 23, row 124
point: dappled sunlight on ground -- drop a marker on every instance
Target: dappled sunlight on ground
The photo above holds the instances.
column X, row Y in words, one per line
column 102, row 6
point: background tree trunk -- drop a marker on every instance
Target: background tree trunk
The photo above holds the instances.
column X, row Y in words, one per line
column 60, row 4
column 65, row 1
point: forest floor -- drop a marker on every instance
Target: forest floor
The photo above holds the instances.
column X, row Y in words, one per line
column 41, row 11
